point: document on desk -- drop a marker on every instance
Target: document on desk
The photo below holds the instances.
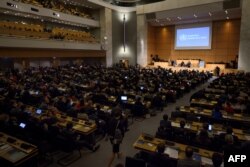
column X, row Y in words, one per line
column 174, row 124
column 207, row 161
column 173, row 153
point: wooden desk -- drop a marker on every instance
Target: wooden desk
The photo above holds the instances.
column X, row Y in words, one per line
column 194, row 63
column 217, row 129
column 81, row 126
column 213, row 90
column 212, row 96
column 203, row 103
column 214, row 65
column 151, row 146
column 13, row 152
column 243, row 120
column 161, row 64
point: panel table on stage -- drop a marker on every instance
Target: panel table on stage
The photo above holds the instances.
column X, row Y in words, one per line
column 161, row 64
column 194, row 63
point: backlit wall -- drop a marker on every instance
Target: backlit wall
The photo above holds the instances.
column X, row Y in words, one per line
column 225, row 43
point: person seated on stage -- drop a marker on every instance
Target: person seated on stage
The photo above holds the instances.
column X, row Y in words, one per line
column 188, row 160
column 188, row 64
column 165, row 122
column 159, row 159
column 182, row 64
column 228, row 108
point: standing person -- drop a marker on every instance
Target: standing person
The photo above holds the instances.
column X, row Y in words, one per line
column 116, row 129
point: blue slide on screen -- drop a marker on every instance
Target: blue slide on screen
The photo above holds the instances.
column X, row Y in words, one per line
column 193, row 38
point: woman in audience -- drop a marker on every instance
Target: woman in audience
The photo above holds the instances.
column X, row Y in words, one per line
column 116, row 131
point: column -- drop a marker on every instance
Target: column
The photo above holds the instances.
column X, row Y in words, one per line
column 106, row 34
column 142, row 41
column 244, row 50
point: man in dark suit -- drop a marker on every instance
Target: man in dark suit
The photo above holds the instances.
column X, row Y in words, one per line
column 158, row 159
column 165, row 122
column 188, row 161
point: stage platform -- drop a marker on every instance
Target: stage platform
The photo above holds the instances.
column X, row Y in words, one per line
column 209, row 67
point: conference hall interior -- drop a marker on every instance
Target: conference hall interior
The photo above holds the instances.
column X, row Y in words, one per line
column 124, row 83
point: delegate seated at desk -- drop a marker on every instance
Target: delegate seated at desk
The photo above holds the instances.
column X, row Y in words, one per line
column 159, row 159
column 188, row 160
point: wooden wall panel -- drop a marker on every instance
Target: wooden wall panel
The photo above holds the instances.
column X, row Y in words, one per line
column 225, row 43
column 25, row 52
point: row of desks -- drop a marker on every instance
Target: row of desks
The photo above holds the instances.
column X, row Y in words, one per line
column 203, row 103
column 175, row 150
column 208, row 113
column 216, row 129
column 84, row 127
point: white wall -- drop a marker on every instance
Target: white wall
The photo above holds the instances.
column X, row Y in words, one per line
column 142, row 40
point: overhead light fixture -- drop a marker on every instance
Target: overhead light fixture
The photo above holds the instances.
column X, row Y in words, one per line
column 210, row 14
column 226, row 11
column 195, row 16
